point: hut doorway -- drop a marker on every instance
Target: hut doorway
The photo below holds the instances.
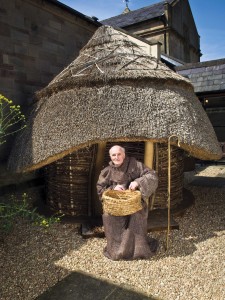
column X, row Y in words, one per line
column 160, row 164
column 180, row 198
column 71, row 183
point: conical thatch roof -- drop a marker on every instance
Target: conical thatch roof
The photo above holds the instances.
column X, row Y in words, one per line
column 113, row 91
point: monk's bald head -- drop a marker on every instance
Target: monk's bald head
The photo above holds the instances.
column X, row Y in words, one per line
column 116, row 148
column 117, row 155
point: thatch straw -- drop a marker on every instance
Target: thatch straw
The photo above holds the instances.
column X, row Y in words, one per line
column 113, row 91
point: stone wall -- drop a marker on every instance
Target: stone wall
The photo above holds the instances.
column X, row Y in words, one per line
column 152, row 31
column 38, row 38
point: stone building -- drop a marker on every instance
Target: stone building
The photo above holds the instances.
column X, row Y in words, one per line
column 208, row 79
column 169, row 22
column 38, row 38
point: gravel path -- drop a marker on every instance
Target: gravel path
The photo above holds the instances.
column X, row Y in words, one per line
column 33, row 259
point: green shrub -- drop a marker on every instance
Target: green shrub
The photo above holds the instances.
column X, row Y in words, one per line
column 11, row 118
column 12, row 121
column 15, row 208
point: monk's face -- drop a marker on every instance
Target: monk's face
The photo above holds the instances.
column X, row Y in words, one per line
column 117, row 155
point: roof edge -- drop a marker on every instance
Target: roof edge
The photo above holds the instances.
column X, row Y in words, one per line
column 196, row 152
column 144, row 7
column 208, row 63
column 73, row 11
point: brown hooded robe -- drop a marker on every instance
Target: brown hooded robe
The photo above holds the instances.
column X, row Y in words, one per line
column 127, row 235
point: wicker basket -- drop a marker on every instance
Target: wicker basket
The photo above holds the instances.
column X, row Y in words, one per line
column 121, row 203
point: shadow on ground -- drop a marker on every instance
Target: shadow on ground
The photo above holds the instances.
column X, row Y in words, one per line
column 81, row 286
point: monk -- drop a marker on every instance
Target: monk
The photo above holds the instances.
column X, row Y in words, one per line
column 127, row 235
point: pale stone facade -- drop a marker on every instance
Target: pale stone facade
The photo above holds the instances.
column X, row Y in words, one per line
column 171, row 23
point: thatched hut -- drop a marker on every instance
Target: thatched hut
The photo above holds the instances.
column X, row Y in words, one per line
column 113, row 92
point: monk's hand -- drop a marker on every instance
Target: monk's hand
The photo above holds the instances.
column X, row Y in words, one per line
column 133, row 186
column 119, row 187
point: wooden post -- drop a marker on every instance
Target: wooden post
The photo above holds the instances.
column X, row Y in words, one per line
column 149, row 154
column 156, row 163
column 98, row 167
column 148, row 157
column 169, row 187
column 168, row 192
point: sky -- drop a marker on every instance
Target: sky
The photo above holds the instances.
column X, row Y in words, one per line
column 209, row 16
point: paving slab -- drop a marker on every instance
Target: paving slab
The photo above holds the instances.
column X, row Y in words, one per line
column 81, row 286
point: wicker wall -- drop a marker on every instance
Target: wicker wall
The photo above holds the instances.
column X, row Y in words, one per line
column 177, row 171
column 69, row 179
column 68, row 183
